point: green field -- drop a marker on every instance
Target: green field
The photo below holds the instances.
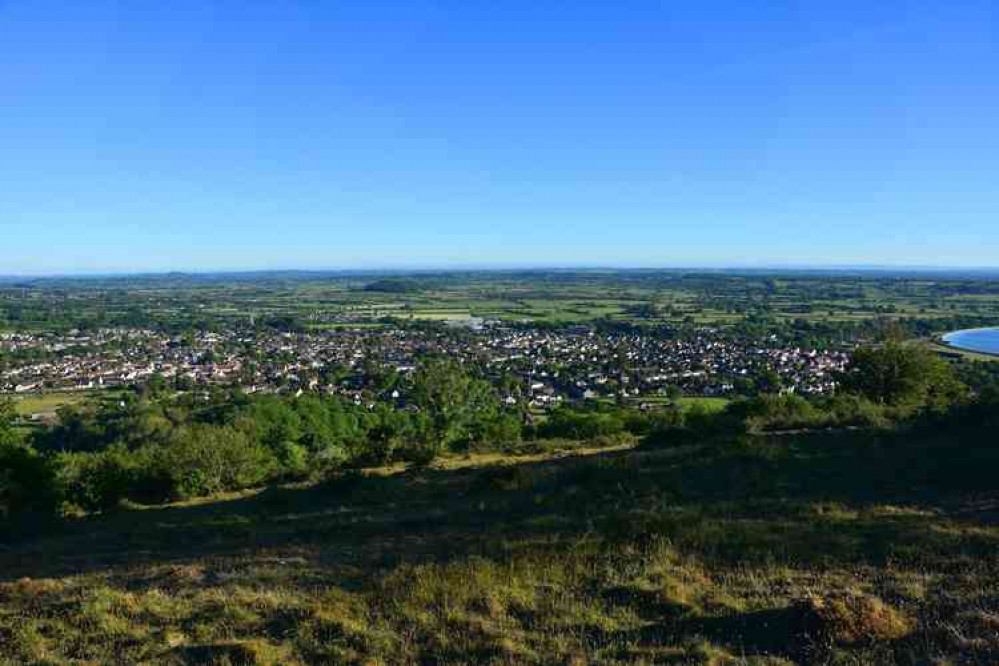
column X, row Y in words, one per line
column 707, row 404
column 557, row 297
column 47, row 403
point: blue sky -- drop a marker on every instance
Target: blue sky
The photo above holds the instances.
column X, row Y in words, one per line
column 252, row 135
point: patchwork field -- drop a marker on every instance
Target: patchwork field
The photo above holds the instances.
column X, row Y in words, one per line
column 553, row 297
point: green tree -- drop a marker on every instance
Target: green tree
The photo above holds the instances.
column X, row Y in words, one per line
column 202, row 460
column 769, row 381
column 95, row 481
column 25, row 475
column 25, row 480
column 453, row 400
column 8, row 416
column 901, row 375
column 274, row 423
column 155, row 387
column 327, row 431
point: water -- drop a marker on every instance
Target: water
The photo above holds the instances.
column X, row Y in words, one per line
column 984, row 340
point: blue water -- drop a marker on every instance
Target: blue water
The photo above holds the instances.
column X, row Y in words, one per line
column 976, row 339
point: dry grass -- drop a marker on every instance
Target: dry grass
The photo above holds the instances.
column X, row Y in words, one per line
column 850, row 619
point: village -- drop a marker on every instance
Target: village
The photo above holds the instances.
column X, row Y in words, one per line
column 541, row 367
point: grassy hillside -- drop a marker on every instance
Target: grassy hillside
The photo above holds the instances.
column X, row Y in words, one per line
column 838, row 548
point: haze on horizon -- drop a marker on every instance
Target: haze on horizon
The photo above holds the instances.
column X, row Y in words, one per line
column 193, row 136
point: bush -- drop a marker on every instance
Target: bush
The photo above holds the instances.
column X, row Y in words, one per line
column 773, row 412
column 292, row 459
column 393, row 435
column 25, row 480
column 573, row 424
column 669, row 436
column 855, row 410
column 496, row 433
column 419, row 452
column 202, row 460
column 95, row 481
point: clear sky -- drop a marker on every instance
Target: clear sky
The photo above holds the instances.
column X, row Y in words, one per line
column 200, row 135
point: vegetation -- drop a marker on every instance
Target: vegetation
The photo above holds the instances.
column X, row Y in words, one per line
column 395, row 286
column 810, row 309
column 848, row 547
column 899, row 376
column 154, row 446
column 171, row 523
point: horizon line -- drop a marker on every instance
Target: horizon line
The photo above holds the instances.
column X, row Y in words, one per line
column 118, row 273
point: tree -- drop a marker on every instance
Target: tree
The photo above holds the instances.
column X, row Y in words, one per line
column 452, row 399
column 275, row 424
column 156, row 387
column 900, row 375
column 769, row 381
column 203, row 459
column 25, row 480
column 8, row 415
column 327, row 430
column 25, row 476
column 95, row 481
column 673, row 393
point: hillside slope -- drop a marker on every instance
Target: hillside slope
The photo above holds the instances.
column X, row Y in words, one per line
column 796, row 549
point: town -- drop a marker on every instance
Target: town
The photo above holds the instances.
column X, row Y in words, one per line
column 541, row 367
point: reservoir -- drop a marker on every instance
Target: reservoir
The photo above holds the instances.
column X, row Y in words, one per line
column 985, row 340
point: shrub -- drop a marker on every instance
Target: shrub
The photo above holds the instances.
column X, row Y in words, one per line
column 419, row 452
column 669, row 436
column 292, row 459
column 500, row 431
column 772, row 412
column 661, row 419
column 202, row 460
column 95, row 481
column 25, row 480
column 394, row 435
column 573, row 424
column 855, row 410
column 543, row 446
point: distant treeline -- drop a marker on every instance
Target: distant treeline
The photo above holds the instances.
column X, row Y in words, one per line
column 397, row 286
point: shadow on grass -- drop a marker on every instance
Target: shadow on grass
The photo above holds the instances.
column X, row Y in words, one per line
column 756, row 633
column 746, row 502
column 620, row 551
